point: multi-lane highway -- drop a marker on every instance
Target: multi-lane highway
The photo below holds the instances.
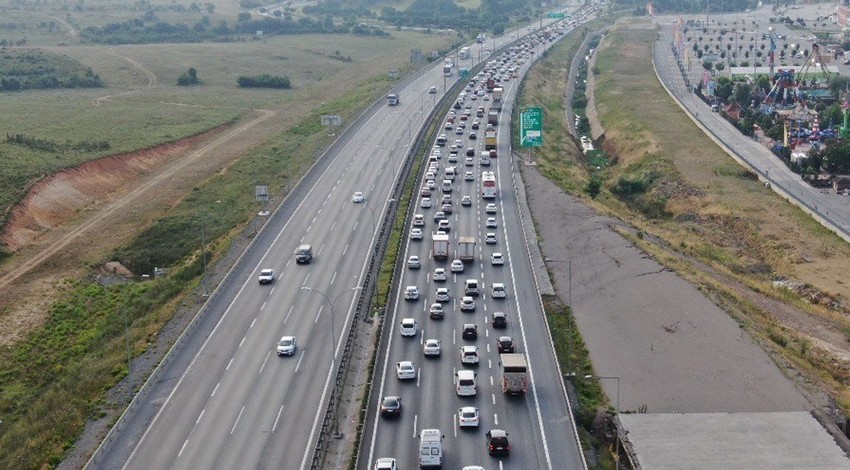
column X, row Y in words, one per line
column 539, row 425
column 224, row 399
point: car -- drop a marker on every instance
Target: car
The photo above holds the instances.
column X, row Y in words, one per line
column 286, row 346
column 466, row 201
column 431, row 347
column 444, row 225
column 469, row 331
column 386, row 463
column 391, row 406
column 497, row 290
column 467, row 304
column 439, row 274
column 425, row 191
column 490, row 208
column 470, row 152
column 418, row 220
column 497, row 442
column 452, row 158
column 411, row 293
column 469, row 176
column 469, row 354
column 440, row 215
column 447, row 208
column 443, row 294
column 486, row 97
column 430, row 184
column 425, row 203
column 436, row 310
column 475, row 124
column 408, row 327
column 416, row 233
column 405, row 370
column 446, row 199
column 413, row 262
column 467, row 417
column 432, row 90
column 266, row 276
column 473, row 136
column 459, row 130
column 469, row 161
column 491, row 222
column 505, row 344
column 357, row 197
column 474, row 467
column 496, row 259
column 457, row 266
column 490, row 238
column 499, row 320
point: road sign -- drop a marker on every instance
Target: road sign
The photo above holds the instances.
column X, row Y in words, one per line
column 464, row 74
column 531, row 127
column 555, row 15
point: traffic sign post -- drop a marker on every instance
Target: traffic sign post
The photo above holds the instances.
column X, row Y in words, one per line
column 531, row 129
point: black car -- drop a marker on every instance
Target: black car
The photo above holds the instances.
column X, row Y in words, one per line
column 499, row 320
column 497, row 442
column 470, row 331
column 391, row 406
column 506, row 344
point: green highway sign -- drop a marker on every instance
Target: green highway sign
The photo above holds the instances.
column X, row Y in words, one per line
column 555, row 15
column 531, row 127
column 464, row 74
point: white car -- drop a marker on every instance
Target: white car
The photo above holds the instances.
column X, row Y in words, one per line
column 408, row 327
column 469, row 354
column 357, row 197
column 425, row 203
column 490, row 223
column 457, row 266
column 286, row 346
column 444, row 225
column 496, row 259
column 436, row 310
column 469, row 176
column 443, row 294
column 497, row 291
column 405, row 370
column 431, row 347
column 467, row 417
column 266, row 276
column 439, row 274
column 411, row 293
column 413, row 262
column 490, row 238
column 467, row 304
column 466, row 201
column 385, row 463
column 418, row 220
column 416, row 233
column 490, row 208
column 468, row 161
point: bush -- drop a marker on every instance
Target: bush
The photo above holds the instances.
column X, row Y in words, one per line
column 264, row 81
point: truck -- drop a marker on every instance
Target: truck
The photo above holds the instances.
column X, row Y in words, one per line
column 430, row 448
column 491, row 83
column 464, row 53
column 392, row 99
column 466, row 249
column 497, row 95
column 493, row 116
column 490, row 140
column 441, row 245
column 514, row 373
column 447, row 69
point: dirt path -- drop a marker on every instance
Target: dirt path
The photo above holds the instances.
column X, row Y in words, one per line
column 152, row 81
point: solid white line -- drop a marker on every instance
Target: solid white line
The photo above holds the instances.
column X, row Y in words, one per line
column 215, row 389
column 182, row 447
column 200, row 416
column 237, row 420
column 268, row 354
column 229, row 363
column 274, row 427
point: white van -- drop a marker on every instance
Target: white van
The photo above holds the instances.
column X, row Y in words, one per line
column 447, row 186
column 484, row 159
column 450, row 173
column 470, row 287
column 465, row 384
column 430, row 448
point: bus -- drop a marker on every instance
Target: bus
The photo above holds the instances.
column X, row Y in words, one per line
column 488, row 185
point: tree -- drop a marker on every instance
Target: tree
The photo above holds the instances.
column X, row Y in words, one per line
column 723, row 90
column 742, row 94
column 836, row 156
column 189, row 78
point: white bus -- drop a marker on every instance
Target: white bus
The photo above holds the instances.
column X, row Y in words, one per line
column 488, row 185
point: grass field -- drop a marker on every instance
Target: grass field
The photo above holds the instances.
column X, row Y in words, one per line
column 669, row 180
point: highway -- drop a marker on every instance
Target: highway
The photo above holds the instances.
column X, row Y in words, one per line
column 222, row 398
column 539, row 423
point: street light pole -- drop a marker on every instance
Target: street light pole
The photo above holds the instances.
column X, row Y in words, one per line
column 617, row 410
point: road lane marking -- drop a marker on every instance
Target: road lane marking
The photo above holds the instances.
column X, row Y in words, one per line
column 415, row 417
column 332, row 226
column 253, row 321
column 298, row 365
column 306, row 278
column 182, row 447
column 215, row 389
column 354, row 229
column 274, row 427
column 345, row 250
column 261, row 309
column 200, row 416
column 229, row 363
column 418, row 376
column 291, row 307
column 319, row 313
column 333, row 278
column 237, row 419
column 493, row 396
column 495, row 419
column 454, row 424
column 268, row 354
column 240, row 343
